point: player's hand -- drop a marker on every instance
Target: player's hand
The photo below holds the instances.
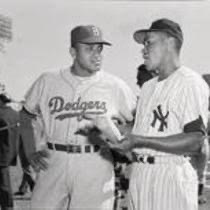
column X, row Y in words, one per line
column 104, row 126
column 94, row 135
column 38, row 160
column 124, row 146
column 124, row 127
column 88, row 127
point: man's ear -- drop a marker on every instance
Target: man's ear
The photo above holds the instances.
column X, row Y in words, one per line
column 171, row 43
column 72, row 52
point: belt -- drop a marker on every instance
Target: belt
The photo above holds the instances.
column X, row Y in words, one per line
column 142, row 158
column 71, row 148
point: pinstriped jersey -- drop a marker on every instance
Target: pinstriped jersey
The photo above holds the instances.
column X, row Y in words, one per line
column 61, row 99
column 165, row 107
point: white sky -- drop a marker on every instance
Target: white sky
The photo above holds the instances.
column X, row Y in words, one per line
column 41, row 35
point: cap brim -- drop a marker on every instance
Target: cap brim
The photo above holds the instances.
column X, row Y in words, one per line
column 101, row 42
column 139, row 36
column 95, row 41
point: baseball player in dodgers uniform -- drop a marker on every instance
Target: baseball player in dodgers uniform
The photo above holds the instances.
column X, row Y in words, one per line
column 170, row 123
column 77, row 171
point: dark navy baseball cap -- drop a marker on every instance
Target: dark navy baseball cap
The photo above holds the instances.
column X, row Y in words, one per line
column 87, row 34
column 164, row 25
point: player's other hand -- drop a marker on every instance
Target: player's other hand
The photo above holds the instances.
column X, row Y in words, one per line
column 104, row 126
column 124, row 127
column 123, row 146
column 38, row 160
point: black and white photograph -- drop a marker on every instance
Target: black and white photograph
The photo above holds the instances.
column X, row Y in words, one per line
column 104, row 105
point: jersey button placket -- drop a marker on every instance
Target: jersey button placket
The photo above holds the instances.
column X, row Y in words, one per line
column 74, row 121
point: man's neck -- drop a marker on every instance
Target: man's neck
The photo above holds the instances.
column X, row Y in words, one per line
column 76, row 70
column 169, row 68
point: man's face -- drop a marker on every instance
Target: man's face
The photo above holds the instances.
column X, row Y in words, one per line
column 155, row 49
column 88, row 57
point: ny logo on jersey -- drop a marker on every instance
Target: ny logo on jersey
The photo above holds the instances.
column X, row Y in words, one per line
column 158, row 115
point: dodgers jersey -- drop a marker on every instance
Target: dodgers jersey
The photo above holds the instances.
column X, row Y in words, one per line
column 165, row 107
column 62, row 98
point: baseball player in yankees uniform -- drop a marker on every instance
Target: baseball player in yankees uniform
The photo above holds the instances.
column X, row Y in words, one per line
column 77, row 172
column 170, row 123
column 198, row 161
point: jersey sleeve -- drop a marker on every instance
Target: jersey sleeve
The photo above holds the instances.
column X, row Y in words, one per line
column 33, row 96
column 127, row 101
column 195, row 107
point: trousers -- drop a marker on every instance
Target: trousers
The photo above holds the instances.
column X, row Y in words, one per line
column 75, row 181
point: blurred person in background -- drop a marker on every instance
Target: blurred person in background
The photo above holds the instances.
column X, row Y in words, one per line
column 9, row 136
column 9, row 131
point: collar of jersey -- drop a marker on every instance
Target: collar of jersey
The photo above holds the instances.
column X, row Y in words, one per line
column 74, row 80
